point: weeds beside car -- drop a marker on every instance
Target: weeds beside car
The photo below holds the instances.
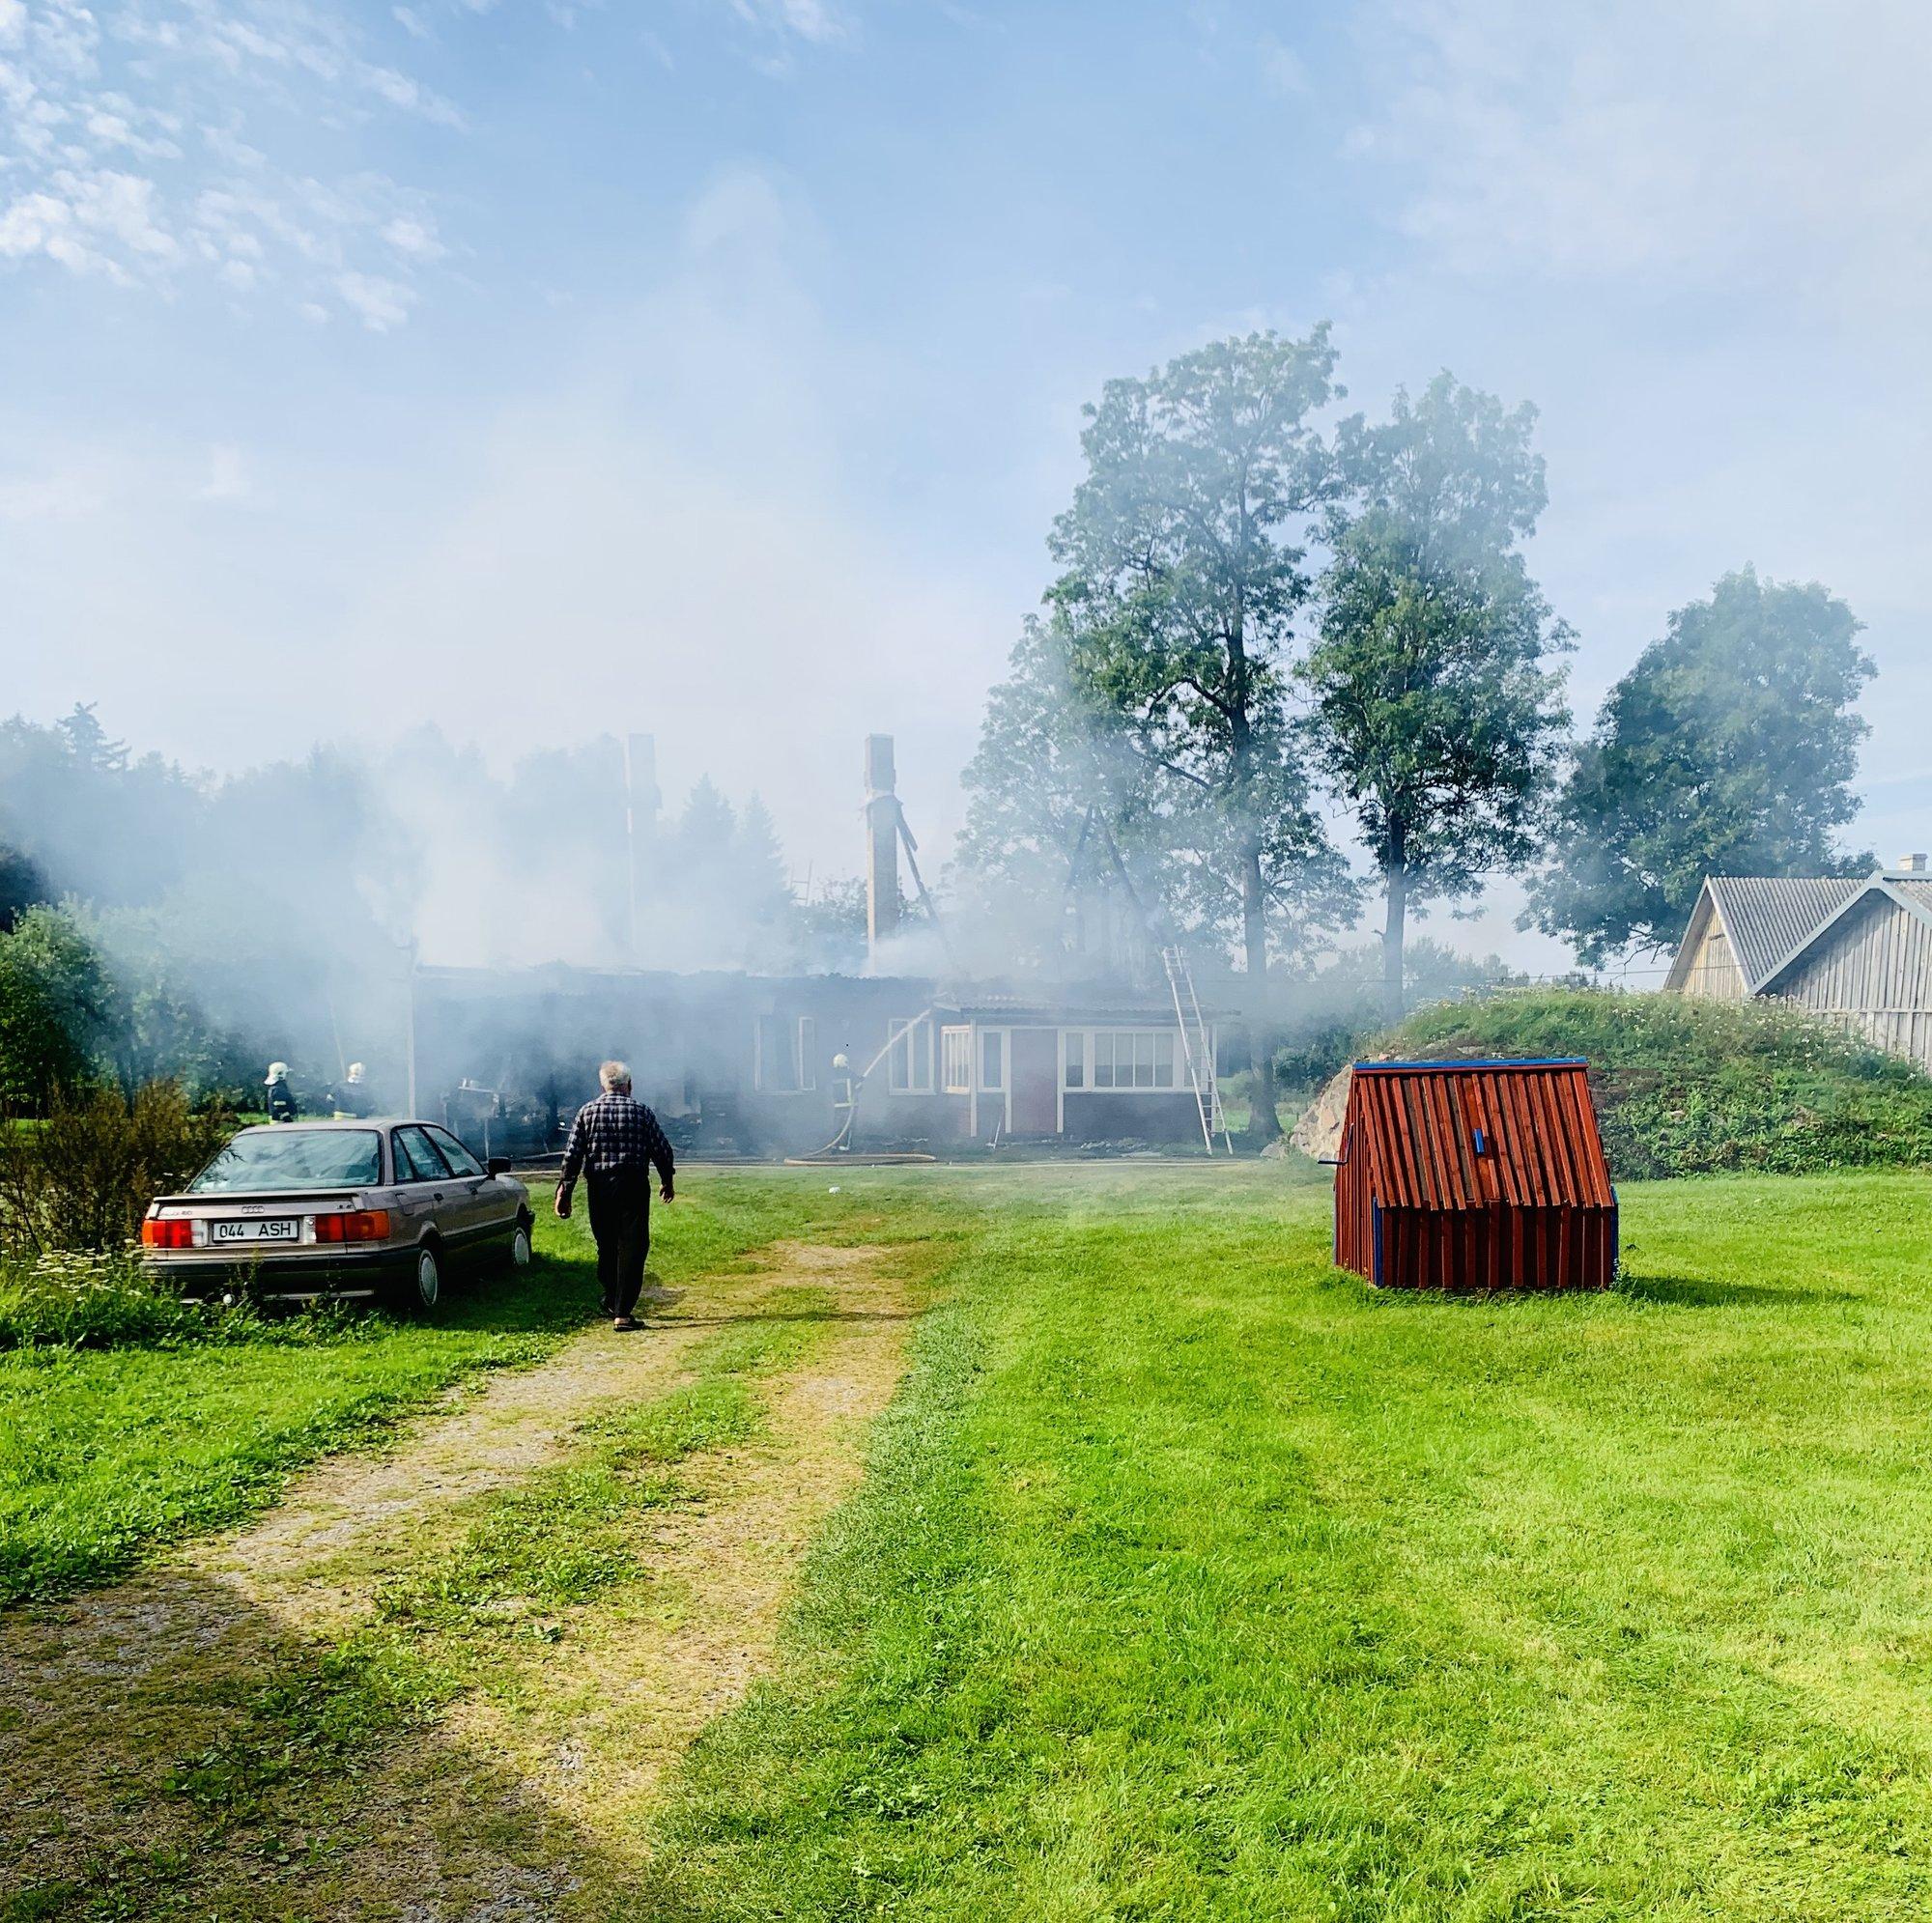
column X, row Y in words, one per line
column 105, row 1299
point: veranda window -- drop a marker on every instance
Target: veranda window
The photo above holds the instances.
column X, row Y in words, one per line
column 1129, row 1058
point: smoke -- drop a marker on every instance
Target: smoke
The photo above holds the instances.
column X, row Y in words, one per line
column 280, row 911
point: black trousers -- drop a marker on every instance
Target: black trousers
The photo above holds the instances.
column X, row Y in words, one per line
column 620, row 1221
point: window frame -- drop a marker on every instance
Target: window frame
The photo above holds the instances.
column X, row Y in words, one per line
column 1132, row 1059
column 956, row 1059
column 905, row 1059
column 804, row 1046
column 998, row 1040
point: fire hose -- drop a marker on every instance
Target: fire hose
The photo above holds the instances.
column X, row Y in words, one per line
column 837, row 1151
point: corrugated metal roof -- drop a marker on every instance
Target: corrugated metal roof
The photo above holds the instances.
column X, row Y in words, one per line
column 1418, row 1126
column 1769, row 915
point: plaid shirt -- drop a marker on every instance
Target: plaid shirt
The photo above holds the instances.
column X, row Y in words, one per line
column 615, row 1132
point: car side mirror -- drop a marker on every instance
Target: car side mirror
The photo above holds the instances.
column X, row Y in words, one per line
column 498, row 1165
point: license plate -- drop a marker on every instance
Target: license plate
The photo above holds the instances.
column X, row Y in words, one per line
column 274, row 1228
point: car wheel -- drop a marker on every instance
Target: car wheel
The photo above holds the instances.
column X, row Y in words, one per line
column 418, row 1287
column 519, row 1245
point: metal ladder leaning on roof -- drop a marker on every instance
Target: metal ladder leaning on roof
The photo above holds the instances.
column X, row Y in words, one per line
column 1198, row 1049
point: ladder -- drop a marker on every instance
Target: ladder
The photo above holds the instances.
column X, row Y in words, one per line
column 1196, row 1047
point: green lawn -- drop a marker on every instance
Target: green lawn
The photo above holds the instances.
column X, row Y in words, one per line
column 106, row 1453
column 1192, row 1579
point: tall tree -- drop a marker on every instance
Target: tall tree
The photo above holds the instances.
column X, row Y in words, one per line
column 1728, row 749
column 762, row 892
column 1183, row 572
column 1063, row 816
column 1434, row 708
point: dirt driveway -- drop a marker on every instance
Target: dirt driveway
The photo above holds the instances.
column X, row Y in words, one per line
column 167, row 1745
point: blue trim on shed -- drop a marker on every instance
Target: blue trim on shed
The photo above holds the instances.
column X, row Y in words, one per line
column 1540, row 1062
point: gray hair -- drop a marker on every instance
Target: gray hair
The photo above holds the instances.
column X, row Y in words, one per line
column 614, row 1075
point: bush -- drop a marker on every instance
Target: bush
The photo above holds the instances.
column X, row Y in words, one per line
column 83, row 1176
column 1688, row 1086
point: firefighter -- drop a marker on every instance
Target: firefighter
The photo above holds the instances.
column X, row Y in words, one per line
column 350, row 1097
column 282, row 1103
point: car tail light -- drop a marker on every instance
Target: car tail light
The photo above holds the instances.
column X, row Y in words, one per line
column 167, row 1232
column 362, row 1225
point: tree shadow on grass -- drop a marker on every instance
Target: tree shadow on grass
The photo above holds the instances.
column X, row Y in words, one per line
column 169, row 1746
column 1700, row 1292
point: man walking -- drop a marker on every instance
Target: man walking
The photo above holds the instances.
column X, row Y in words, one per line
column 614, row 1142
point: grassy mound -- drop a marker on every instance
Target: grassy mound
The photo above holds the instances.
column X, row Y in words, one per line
column 1689, row 1088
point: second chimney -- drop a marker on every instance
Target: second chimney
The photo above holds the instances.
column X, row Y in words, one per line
column 881, row 844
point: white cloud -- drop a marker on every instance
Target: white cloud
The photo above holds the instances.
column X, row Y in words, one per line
column 1736, row 143
column 811, row 21
column 142, row 144
column 400, row 91
column 227, row 476
column 413, row 237
column 1281, row 68
column 380, row 304
column 89, row 222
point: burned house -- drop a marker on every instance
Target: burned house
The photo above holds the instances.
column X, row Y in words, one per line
column 790, row 1064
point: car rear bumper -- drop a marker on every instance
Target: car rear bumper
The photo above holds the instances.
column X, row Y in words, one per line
column 284, row 1278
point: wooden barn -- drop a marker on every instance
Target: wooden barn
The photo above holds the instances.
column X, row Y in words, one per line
column 1474, row 1176
column 1853, row 950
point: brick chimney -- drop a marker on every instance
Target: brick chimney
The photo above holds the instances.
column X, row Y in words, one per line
column 1913, row 864
column 881, row 844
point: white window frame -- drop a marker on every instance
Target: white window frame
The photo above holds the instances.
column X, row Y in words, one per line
column 908, row 1067
column 956, row 1060
column 999, row 1038
column 805, row 1044
column 1141, row 1041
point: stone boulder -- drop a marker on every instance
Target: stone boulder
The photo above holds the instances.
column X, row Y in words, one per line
column 1319, row 1132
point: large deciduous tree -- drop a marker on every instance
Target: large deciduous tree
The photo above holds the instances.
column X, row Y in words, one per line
column 1183, row 572
column 1062, row 810
column 1728, row 749
column 1436, row 710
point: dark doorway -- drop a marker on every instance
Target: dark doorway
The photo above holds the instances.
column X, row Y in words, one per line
column 1035, row 1067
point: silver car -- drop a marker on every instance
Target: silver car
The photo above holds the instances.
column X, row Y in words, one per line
column 387, row 1208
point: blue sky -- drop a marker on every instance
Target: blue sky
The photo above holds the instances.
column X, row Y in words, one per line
column 715, row 366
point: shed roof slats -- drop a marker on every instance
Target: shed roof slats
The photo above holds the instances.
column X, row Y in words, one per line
column 1417, row 1125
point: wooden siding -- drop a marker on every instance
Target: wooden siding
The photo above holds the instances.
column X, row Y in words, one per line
column 1873, row 973
column 1708, row 967
column 1460, row 1174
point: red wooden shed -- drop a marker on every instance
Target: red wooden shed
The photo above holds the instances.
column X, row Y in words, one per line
column 1474, row 1176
